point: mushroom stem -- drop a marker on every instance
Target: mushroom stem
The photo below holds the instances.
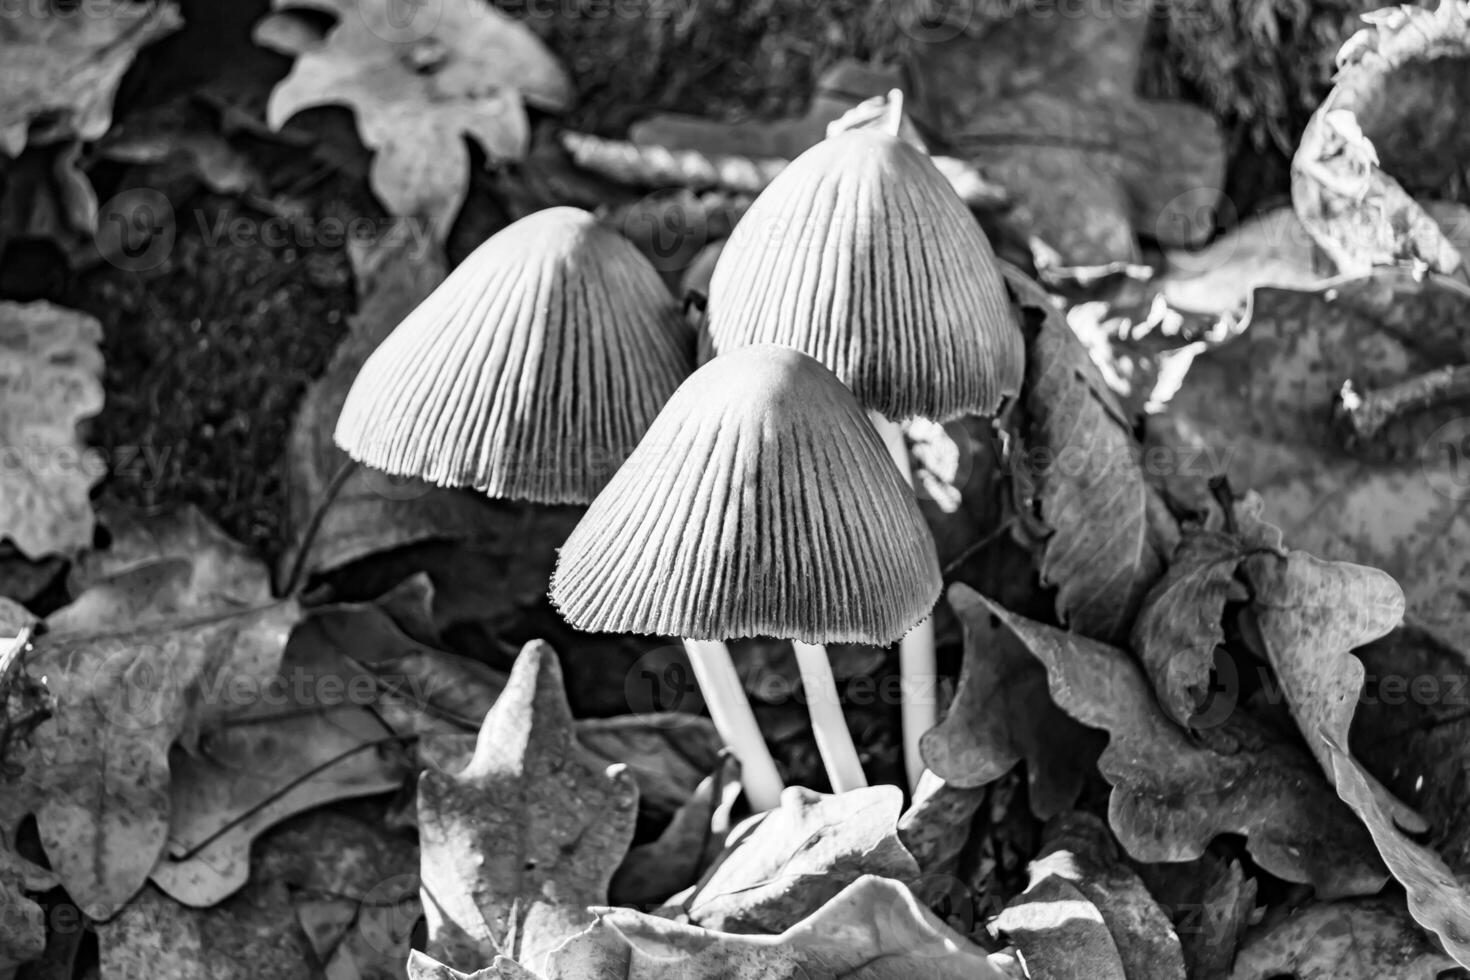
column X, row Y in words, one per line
column 917, row 668
column 829, row 727
column 735, row 721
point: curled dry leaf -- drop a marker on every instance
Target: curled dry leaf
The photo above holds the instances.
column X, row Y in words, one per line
column 1211, row 902
column 1182, row 620
column 1002, row 714
column 1389, row 130
column 1173, row 795
column 799, row 856
column 873, row 929
column 936, row 826
column 1361, row 940
column 1077, row 884
column 59, row 69
column 50, row 380
column 548, row 820
column 1107, row 537
column 1046, row 104
column 418, row 86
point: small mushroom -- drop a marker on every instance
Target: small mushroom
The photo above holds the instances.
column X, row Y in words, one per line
column 530, row 373
column 759, row 503
column 861, row 254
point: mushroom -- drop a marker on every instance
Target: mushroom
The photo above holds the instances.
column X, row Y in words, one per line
column 759, row 503
column 861, row 254
column 530, row 373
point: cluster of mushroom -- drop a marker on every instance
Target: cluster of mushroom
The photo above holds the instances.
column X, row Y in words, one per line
column 760, row 496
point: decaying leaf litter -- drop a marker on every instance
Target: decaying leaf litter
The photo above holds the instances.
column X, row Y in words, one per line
column 1200, row 569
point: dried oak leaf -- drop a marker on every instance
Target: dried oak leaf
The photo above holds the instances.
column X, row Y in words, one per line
column 1002, row 714
column 1390, row 130
column 1172, row 795
column 1212, row 902
column 310, row 735
column 1438, row 901
column 50, row 380
column 418, row 85
column 1109, row 531
column 59, row 68
column 96, row 774
column 1367, row 939
column 1046, row 105
column 1261, row 403
column 1084, row 914
column 546, row 821
column 937, row 824
column 798, row 856
column 874, row 929
column 1182, row 620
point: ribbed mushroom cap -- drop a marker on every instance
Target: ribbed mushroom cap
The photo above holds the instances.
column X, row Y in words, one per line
column 530, row 373
column 760, row 503
column 860, row 254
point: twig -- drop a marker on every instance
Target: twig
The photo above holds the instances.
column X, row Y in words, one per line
column 1364, row 415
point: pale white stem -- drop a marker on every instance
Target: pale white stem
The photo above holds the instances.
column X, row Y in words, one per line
column 917, row 668
column 829, row 727
column 735, row 721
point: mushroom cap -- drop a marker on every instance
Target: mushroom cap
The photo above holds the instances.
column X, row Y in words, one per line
column 761, row 502
column 861, row 254
column 530, row 373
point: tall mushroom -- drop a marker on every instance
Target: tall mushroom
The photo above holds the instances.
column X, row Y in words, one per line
column 861, row 254
column 530, row 373
column 759, row 503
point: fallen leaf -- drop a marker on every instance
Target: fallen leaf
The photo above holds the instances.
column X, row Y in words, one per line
column 873, row 929
column 798, row 857
column 1173, row 795
column 1211, row 902
column 24, row 937
column 1437, row 900
column 60, row 68
column 1362, row 940
column 936, row 826
column 667, row 753
column 651, row 872
column 50, row 380
column 1002, row 714
column 548, row 821
column 162, row 567
column 96, row 773
column 254, row 934
column 418, row 86
column 1077, row 885
column 1045, row 103
column 1392, row 113
column 1107, row 544
column 1182, row 620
